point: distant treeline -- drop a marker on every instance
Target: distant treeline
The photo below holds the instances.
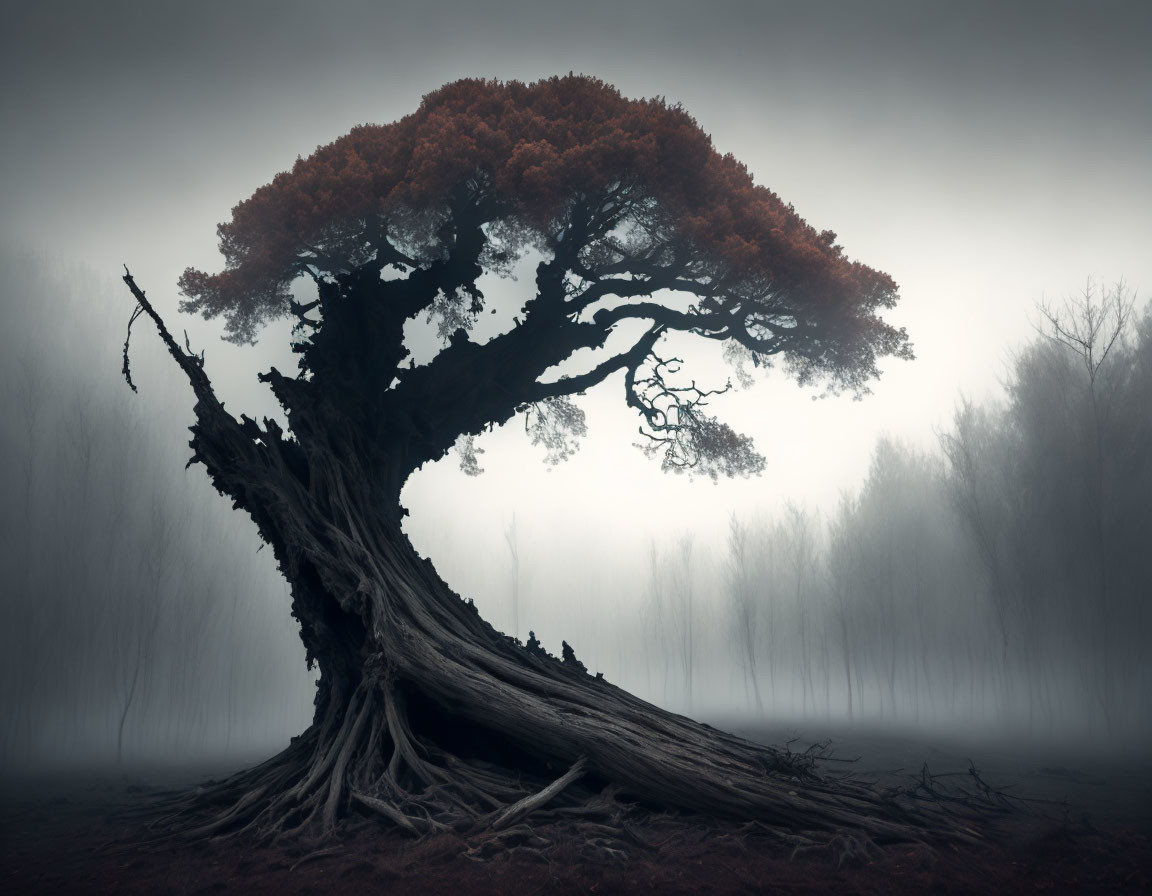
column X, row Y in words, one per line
column 1005, row 578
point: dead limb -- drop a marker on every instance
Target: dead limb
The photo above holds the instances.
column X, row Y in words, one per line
column 530, row 803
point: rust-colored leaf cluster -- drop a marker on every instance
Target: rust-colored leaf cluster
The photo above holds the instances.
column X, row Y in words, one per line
column 524, row 154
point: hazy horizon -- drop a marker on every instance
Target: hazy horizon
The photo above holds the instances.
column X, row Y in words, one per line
column 989, row 156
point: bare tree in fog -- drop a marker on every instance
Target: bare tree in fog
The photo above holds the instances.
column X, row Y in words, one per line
column 142, row 618
column 1053, row 488
column 28, row 389
column 1092, row 326
column 843, row 563
column 658, row 622
column 901, row 604
column 744, row 593
column 977, row 491
column 682, row 610
column 798, row 535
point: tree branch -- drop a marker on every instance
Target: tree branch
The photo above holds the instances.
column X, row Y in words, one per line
column 713, row 325
column 192, row 365
column 573, row 385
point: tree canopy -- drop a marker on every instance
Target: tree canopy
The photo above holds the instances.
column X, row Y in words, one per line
column 636, row 217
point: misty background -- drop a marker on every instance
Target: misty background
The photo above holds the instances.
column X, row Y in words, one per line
column 966, row 549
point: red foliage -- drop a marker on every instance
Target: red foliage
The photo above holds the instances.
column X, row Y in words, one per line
column 531, row 150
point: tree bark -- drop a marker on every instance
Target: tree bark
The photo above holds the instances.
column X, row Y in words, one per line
column 425, row 715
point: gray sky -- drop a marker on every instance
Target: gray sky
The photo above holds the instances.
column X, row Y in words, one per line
column 986, row 155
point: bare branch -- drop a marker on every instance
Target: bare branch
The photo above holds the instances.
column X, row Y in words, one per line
column 126, row 369
column 675, row 424
column 1089, row 324
column 188, row 362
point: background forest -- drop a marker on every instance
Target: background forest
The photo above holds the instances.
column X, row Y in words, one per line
column 998, row 578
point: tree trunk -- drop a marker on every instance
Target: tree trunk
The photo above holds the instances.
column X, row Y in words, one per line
column 428, row 717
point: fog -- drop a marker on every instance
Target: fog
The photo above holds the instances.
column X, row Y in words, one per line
column 139, row 621
column 965, row 550
column 997, row 582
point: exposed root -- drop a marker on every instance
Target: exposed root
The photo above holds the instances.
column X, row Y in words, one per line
column 369, row 759
column 367, row 763
column 844, row 847
column 336, row 781
column 412, row 824
column 372, row 764
column 530, row 803
column 317, row 854
column 364, row 760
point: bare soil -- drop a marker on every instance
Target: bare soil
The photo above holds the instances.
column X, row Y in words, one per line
column 1085, row 826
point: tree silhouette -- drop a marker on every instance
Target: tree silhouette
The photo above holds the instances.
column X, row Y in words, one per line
column 425, row 715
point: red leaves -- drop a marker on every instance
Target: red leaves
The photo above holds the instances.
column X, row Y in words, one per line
column 527, row 151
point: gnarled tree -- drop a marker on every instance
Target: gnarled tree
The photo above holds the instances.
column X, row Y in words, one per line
column 424, row 713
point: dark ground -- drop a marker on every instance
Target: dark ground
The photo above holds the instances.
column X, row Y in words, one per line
column 55, row 833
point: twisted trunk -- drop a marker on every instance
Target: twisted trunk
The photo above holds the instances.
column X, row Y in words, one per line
column 425, row 715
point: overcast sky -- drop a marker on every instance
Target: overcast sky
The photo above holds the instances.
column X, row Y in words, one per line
column 986, row 155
